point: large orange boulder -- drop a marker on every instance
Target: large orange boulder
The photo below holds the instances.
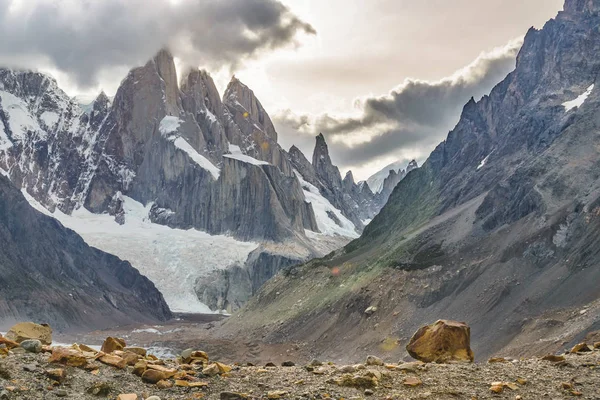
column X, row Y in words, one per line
column 442, row 342
column 30, row 331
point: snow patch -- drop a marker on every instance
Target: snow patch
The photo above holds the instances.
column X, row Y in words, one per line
column 50, row 118
column 168, row 128
column 19, row 118
column 322, row 208
column 171, row 258
column 578, row 102
column 482, row 163
column 236, row 153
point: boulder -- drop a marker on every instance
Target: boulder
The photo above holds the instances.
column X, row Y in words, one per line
column 32, row 345
column 29, row 330
column 69, row 357
column 113, row 361
column 112, row 344
column 442, row 342
column 581, row 348
column 153, row 376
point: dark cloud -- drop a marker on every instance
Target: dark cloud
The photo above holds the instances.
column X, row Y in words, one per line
column 415, row 117
column 85, row 38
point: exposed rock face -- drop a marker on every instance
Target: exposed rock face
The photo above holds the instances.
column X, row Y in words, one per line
column 50, row 274
column 442, row 342
column 356, row 201
column 193, row 159
column 500, row 226
column 393, row 179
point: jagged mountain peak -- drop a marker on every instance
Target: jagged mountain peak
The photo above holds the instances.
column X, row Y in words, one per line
column 240, row 97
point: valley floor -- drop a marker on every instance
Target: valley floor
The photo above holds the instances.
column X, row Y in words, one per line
column 22, row 376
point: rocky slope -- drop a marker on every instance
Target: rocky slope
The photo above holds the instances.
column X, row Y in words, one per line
column 499, row 227
column 173, row 154
column 48, row 273
column 115, row 373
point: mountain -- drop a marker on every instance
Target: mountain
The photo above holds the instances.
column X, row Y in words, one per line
column 174, row 158
column 49, row 274
column 499, row 227
column 377, row 181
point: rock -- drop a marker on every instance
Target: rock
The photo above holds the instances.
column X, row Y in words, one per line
column 30, row 367
column 62, row 393
column 8, row 343
column 358, row 381
column 139, row 368
column 315, row 363
column 211, row 370
column 136, row 350
column 497, row 360
column 187, row 354
column 581, row 348
column 29, row 330
column 216, row 368
column 347, row 369
column 277, row 394
column 153, row 398
column 164, row 384
column 130, row 358
column 113, row 361
column 168, row 372
column 410, row 366
column 270, row 364
column 128, row 396
column 32, row 345
column 369, row 392
column 69, row 357
column 444, row 341
column 553, row 358
column 231, row 396
column 153, row 376
column 288, row 364
column 372, row 360
column 111, row 344
column 597, row 345
column 57, row 374
column 99, row 389
column 497, row 388
column 371, row 310
column 412, row 381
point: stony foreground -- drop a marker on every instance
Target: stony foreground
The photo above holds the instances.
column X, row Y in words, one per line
column 25, row 375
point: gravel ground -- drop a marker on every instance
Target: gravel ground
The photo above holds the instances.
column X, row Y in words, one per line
column 22, row 376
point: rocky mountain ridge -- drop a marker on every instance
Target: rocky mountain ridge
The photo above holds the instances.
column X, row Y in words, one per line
column 499, row 227
column 48, row 273
column 193, row 159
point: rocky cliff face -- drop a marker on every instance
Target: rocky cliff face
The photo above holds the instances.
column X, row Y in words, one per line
column 183, row 156
column 49, row 274
column 499, row 227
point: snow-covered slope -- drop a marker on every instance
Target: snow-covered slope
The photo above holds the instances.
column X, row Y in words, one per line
column 171, row 258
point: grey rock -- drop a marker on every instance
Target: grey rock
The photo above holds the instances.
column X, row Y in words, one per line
column 32, row 346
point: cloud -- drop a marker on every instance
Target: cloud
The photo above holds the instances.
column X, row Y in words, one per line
column 86, row 39
column 411, row 119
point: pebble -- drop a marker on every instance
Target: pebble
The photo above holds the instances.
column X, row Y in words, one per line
column 61, row 393
column 369, row 392
column 153, row 398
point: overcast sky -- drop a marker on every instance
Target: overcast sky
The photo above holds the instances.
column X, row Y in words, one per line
column 384, row 80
